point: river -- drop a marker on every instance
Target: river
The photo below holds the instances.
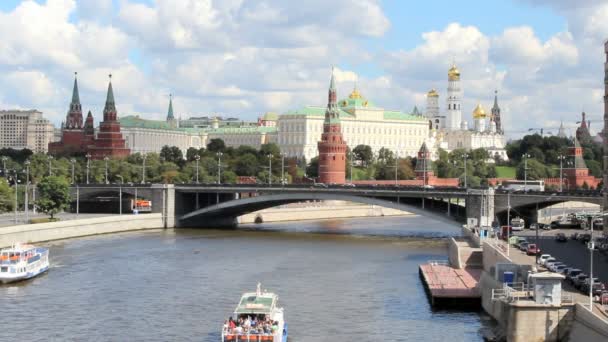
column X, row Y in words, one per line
column 338, row 280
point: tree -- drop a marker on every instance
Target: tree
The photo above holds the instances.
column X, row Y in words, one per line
column 6, row 197
column 216, row 145
column 536, row 170
column 246, row 165
column 270, row 148
column 191, row 153
column 312, row 170
column 54, row 195
column 172, row 154
column 364, row 154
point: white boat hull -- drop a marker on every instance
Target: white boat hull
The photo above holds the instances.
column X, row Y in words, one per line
column 11, row 278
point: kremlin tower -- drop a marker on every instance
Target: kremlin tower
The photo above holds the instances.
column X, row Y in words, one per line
column 109, row 141
column 72, row 131
column 332, row 148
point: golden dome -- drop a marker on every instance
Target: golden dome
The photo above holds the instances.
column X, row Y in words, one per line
column 479, row 112
column 355, row 94
column 454, row 73
column 432, row 93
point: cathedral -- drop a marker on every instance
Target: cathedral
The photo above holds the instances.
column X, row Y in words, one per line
column 449, row 131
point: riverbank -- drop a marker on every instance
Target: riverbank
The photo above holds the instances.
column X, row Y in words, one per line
column 318, row 211
column 41, row 232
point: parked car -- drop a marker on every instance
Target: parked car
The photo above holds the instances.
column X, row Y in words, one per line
column 520, row 240
column 560, row 268
column 545, row 226
column 549, row 261
column 532, row 249
column 584, row 238
column 561, row 237
column 543, row 258
column 585, row 285
column 523, row 246
column 573, row 273
column 553, row 267
column 573, row 236
column 579, row 280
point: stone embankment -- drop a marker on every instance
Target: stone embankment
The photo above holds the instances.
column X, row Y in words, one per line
column 76, row 228
column 318, row 211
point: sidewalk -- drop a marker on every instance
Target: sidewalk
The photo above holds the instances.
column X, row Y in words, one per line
column 8, row 219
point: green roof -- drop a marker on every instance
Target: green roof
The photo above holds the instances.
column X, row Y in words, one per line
column 270, row 116
column 397, row 115
column 240, row 130
column 315, row 111
column 136, row 121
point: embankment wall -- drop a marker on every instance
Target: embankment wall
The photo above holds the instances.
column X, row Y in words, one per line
column 588, row 326
column 76, row 228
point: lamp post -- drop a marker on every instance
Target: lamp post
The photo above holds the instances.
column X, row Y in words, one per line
column 351, row 167
column 106, row 164
column 396, row 167
column 120, row 194
column 269, row 155
column 196, row 159
column 50, row 166
column 465, row 156
column 282, row 169
column 16, row 195
column 88, row 165
column 143, row 169
column 72, row 161
column 525, row 157
column 561, row 168
column 219, row 167
column 27, row 185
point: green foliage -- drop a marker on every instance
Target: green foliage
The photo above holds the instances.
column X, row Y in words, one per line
column 53, row 195
column 505, row 172
column 312, row 170
column 536, row 170
column 363, row 154
column 216, row 145
column 7, row 194
column 172, row 154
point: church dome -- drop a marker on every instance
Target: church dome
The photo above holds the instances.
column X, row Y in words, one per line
column 355, row 94
column 479, row 112
column 454, row 73
column 432, row 93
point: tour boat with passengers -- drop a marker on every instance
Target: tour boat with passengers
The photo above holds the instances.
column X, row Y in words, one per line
column 22, row 261
column 257, row 318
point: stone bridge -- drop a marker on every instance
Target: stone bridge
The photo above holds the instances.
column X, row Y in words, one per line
column 197, row 205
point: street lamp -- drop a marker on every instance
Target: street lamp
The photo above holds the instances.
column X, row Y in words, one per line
column 465, row 156
column 72, row 161
column 106, row 162
column 219, row 167
column 282, row 169
column 143, row 169
column 269, row 155
column 50, row 166
column 525, row 157
column 197, row 158
column 27, row 185
column 561, row 168
column 88, row 165
column 120, row 194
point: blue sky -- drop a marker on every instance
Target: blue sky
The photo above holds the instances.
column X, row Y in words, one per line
column 245, row 58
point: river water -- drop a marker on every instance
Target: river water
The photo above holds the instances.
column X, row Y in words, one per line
column 339, row 280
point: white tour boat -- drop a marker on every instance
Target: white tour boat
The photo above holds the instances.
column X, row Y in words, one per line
column 22, row 262
column 257, row 318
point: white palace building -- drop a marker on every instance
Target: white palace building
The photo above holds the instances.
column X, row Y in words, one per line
column 297, row 132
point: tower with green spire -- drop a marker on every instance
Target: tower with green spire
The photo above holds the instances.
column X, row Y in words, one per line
column 109, row 142
column 170, row 117
column 332, row 147
column 74, row 117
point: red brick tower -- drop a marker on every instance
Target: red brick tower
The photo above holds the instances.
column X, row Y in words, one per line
column 109, row 142
column 424, row 165
column 71, row 131
column 332, row 148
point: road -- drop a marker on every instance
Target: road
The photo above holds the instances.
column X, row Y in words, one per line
column 9, row 219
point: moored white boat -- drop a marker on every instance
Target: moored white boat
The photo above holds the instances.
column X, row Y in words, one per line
column 257, row 318
column 22, row 261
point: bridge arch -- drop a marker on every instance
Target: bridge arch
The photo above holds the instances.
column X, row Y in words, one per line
column 225, row 213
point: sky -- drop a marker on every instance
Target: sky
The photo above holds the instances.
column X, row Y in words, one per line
column 241, row 58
